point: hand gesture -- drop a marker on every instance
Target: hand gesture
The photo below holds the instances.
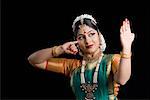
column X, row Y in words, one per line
column 125, row 35
column 70, row 47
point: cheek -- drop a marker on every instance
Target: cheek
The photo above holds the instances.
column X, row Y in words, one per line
column 81, row 45
column 96, row 40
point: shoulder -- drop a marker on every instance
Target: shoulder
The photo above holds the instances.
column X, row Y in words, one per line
column 112, row 57
column 116, row 59
column 107, row 57
column 113, row 61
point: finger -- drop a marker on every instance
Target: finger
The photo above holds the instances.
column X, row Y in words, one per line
column 74, row 48
column 127, row 21
column 70, row 52
column 121, row 30
column 128, row 25
column 74, row 51
column 75, row 42
column 123, row 27
column 69, row 47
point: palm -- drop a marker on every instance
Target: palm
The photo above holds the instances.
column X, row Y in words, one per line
column 125, row 34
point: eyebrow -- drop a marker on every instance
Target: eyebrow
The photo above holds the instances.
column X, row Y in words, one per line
column 82, row 34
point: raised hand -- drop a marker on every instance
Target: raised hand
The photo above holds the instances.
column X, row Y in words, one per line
column 126, row 36
column 70, row 47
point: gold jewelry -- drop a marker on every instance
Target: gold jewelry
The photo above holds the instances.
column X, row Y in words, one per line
column 54, row 53
column 127, row 56
column 87, row 87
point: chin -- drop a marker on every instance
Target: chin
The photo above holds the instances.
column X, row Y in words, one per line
column 90, row 51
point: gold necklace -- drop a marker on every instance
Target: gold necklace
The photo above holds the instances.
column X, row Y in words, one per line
column 88, row 88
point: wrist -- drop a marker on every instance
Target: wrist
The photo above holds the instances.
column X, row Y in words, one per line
column 126, row 55
column 57, row 50
column 60, row 49
column 126, row 50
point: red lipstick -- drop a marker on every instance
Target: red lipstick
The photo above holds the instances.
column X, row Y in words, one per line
column 89, row 46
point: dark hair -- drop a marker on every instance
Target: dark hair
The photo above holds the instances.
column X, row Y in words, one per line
column 87, row 22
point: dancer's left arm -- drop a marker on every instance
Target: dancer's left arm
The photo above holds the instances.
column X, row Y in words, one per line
column 123, row 72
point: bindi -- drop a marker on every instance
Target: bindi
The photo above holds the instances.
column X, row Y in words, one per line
column 84, row 31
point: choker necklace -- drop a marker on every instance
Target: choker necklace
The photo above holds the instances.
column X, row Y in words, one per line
column 88, row 88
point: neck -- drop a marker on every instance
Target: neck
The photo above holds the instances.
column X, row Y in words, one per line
column 92, row 57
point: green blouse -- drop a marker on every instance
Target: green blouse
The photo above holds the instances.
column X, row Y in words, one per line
column 105, row 80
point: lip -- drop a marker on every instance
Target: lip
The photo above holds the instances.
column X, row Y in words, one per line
column 89, row 46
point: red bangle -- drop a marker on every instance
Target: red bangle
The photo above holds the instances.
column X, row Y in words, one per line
column 46, row 65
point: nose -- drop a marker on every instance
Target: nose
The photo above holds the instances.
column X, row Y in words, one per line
column 87, row 40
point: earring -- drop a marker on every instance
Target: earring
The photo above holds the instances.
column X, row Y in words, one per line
column 100, row 46
column 79, row 50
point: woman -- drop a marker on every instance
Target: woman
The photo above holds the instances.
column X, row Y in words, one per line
column 97, row 75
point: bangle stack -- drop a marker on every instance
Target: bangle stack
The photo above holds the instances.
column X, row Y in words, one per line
column 127, row 56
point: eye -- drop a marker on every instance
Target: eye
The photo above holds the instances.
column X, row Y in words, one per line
column 91, row 34
column 80, row 37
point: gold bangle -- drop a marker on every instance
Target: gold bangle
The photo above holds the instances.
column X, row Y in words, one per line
column 54, row 54
column 127, row 56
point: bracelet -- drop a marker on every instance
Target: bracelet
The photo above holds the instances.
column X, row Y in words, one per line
column 127, row 56
column 54, row 54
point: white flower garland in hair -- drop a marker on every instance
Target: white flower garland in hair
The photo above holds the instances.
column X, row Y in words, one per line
column 103, row 43
column 81, row 17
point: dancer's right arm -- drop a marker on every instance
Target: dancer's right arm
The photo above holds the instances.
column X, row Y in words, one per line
column 43, row 58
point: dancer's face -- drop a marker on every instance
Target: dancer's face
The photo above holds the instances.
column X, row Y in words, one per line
column 88, row 39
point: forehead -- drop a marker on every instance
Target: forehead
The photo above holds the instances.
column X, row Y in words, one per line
column 84, row 29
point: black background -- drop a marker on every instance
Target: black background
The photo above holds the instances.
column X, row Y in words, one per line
column 32, row 25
